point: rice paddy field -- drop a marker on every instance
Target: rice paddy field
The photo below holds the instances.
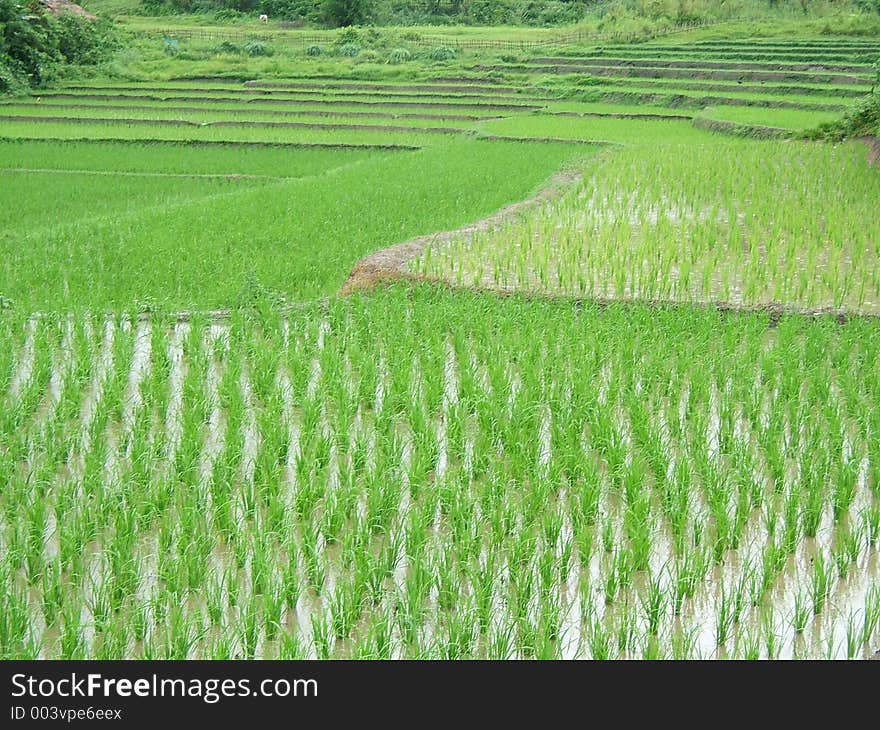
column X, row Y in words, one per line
column 570, row 354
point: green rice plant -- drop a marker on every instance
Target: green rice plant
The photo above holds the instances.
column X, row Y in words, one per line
column 820, row 587
column 599, row 640
column 801, row 614
column 441, row 487
column 321, row 636
column 683, row 644
column 699, row 251
column 654, row 605
column 724, row 617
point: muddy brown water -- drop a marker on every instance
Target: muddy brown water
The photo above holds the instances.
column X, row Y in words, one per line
column 824, row 633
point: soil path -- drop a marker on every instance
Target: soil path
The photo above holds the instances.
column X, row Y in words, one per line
column 389, row 264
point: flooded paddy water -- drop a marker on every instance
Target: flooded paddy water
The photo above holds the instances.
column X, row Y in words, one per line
column 305, row 485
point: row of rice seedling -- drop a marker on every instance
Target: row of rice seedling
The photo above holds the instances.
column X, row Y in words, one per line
column 297, row 238
column 254, row 95
column 229, row 119
column 173, row 159
column 372, row 86
column 598, row 108
column 274, row 111
column 418, row 103
column 33, row 128
column 431, row 475
column 27, row 208
column 783, row 223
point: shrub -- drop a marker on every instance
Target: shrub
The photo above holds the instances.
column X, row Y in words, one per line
column 228, row 47
column 399, row 55
column 258, row 48
column 869, row 5
column 443, row 53
column 314, row 51
column 489, row 12
column 228, row 14
column 34, row 44
column 346, row 12
column 171, row 46
column 348, row 35
column 10, row 83
column 350, row 50
column 369, row 56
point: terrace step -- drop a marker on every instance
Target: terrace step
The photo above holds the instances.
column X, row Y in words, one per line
column 454, row 88
column 681, row 73
column 699, row 64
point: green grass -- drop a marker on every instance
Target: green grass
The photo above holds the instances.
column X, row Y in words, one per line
column 298, row 238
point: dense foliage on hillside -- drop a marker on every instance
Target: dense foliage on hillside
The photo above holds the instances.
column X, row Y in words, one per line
column 34, row 43
column 392, row 12
column 496, row 12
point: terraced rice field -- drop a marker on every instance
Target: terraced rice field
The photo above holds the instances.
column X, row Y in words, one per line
column 208, row 451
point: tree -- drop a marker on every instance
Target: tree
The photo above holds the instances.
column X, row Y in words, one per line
column 33, row 43
column 342, row 13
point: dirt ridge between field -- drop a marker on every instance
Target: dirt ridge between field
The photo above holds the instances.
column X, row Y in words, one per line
column 389, row 264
